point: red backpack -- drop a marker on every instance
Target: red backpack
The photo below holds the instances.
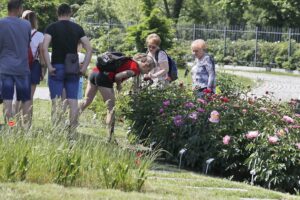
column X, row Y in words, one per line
column 30, row 54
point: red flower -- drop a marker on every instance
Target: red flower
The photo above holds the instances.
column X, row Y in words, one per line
column 11, row 123
column 139, row 154
column 224, row 99
column 207, row 91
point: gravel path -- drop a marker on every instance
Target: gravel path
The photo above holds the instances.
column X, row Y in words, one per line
column 283, row 87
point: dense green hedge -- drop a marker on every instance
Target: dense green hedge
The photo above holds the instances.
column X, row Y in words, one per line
column 241, row 52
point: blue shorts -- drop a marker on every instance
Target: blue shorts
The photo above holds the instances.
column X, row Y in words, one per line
column 36, row 72
column 61, row 81
column 22, row 84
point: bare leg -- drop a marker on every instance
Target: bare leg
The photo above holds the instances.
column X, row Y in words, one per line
column 90, row 94
column 108, row 96
column 7, row 109
column 73, row 104
column 33, row 88
column 26, row 111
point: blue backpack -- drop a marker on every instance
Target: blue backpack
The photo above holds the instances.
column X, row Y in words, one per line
column 173, row 71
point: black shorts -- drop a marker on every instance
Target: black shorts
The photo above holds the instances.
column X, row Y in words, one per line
column 100, row 79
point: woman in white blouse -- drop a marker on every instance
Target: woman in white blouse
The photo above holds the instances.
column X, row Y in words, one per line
column 159, row 74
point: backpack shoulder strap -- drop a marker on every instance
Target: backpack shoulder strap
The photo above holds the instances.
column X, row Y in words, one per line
column 156, row 54
column 33, row 34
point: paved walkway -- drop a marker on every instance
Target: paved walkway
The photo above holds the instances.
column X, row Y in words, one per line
column 284, row 87
column 42, row 93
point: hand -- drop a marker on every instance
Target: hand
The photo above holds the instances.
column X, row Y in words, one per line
column 82, row 71
column 51, row 70
column 147, row 78
column 119, row 87
column 43, row 73
column 152, row 76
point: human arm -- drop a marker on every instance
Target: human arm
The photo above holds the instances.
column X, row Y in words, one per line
column 163, row 65
column 121, row 76
column 45, row 46
column 211, row 73
column 88, row 55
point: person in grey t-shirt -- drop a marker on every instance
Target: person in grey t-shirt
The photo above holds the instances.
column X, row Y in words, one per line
column 14, row 67
column 203, row 72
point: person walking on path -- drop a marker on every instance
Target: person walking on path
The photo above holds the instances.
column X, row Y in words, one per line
column 65, row 36
column 203, row 72
column 37, row 69
column 14, row 68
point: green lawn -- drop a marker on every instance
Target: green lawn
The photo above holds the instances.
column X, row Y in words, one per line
column 164, row 181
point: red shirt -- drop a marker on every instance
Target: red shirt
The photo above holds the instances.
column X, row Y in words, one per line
column 128, row 65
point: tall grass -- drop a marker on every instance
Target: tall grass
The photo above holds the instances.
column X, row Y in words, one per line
column 46, row 155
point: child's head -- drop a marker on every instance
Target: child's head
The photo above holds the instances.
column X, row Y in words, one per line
column 146, row 63
column 153, row 42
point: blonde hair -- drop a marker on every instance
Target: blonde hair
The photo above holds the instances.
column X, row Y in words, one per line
column 144, row 58
column 199, row 44
column 153, row 37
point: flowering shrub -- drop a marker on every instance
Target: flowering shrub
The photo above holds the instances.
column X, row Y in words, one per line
column 242, row 133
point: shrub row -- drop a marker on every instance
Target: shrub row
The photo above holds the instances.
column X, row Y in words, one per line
column 245, row 135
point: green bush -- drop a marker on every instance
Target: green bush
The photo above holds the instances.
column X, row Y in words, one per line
column 155, row 23
column 174, row 119
column 241, row 52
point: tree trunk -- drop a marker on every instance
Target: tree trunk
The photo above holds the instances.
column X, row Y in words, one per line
column 177, row 8
column 167, row 8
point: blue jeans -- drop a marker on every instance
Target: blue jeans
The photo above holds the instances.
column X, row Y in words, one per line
column 61, row 81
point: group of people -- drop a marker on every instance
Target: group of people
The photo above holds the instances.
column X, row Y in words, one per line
column 24, row 59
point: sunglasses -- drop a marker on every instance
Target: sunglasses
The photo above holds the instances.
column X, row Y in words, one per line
column 152, row 47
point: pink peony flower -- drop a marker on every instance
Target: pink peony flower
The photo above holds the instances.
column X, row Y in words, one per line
column 295, row 126
column 252, row 134
column 193, row 116
column 288, row 119
column 298, row 145
column 273, row 139
column 199, row 100
column 166, row 103
column 189, row 105
column 244, row 111
column 214, row 117
column 226, row 139
column 178, row 121
column 200, row 110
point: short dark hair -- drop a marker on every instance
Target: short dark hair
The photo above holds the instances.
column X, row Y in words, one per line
column 64, row 10
column 14, row 5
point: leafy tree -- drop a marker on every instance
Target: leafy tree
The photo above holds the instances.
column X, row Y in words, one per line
column 155, row 23
column 46, row 11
